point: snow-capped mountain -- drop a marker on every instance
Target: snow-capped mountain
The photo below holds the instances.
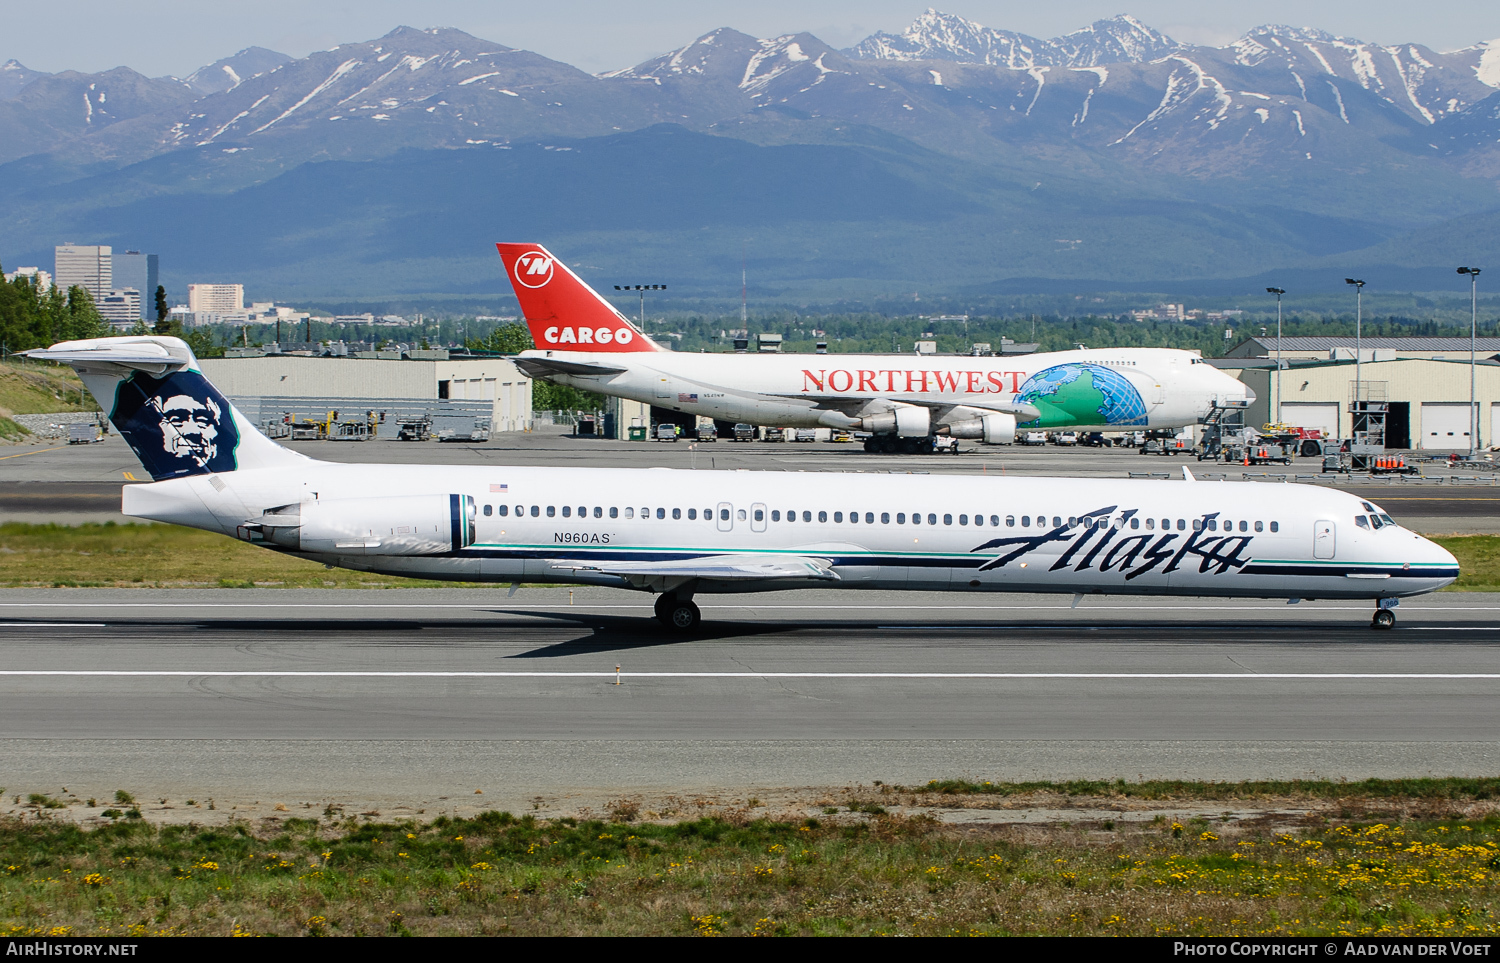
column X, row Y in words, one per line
column 943, row 36
column 229, row 73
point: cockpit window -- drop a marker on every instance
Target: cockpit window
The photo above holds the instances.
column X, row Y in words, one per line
column 1387, row 519
column 1368, row 506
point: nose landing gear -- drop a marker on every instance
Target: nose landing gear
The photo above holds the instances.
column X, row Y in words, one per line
column 677, row 614
column 1385, row 616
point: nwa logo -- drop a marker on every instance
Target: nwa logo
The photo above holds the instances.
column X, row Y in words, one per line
column 178, row 425
column 1101, row 540
column 533, row 269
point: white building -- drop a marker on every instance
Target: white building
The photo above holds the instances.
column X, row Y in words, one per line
column 122, row 309
column 42, row 279
column 90, row 267
column 216, row 298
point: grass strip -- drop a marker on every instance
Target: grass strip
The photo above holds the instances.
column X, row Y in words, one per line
column 733, row 874
column 168, row 556
column 1455, row 789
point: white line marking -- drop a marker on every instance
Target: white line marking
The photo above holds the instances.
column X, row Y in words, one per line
column 1279, row 606
column 393, row 674
column 52, row 625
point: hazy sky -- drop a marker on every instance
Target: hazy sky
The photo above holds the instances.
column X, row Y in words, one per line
column 160, row 37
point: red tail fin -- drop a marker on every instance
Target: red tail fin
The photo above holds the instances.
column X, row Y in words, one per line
column 565, row 314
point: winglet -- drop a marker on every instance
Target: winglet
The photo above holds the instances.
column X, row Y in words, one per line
column 1187, row 475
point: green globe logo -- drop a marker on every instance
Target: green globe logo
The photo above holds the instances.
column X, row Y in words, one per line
column 1079, row 394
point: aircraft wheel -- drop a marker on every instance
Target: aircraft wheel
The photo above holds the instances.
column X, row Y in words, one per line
column 871, row 445
column 1384, row 619
column 663, row 606
column 682, row 616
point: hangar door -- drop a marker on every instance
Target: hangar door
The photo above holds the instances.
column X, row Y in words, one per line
column 1323, row 416
column 1445, row 426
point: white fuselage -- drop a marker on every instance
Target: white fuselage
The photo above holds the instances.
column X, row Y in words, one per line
column 928, row 532
column 1175, row 388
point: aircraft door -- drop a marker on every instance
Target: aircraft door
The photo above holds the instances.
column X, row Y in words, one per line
column 725, row 517
column 1323, row 539
column 663, row 387
column 757, row 517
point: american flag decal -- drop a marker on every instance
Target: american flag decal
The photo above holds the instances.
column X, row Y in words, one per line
column 684, row 396
column 499, row 488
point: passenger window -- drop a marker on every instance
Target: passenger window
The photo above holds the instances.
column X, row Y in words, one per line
column 775, row 515
column 962, row 519
column 583, row 511
column 916, row 518
column 1244, row 525
column 1010, row 521
column 822, row 516
column 614, row 512
column 1275, row 526
column 551, row 511
column 1057, row 521
column 598, row 512
column 740, row 514
column 629, row 513
column 932, row 519
column 504, row 510
column 723, row 514
column 807, row 516
column 567, row 511
column 1213, row 525
column 978, row 519
column 885, row 518
column 869, row 518
column 661, row 513
column 1197, row 524
column 995, row 520
column 1260, row 526
column 692, row 514
column 1182, row 525
column 760, row 515
column 488, row 511
column 1150, row 524
column 1361, row 521
column 535, row 510
column 791, row 516
column 676, row 514
column 838, row 516
column 1135, row 523
column 900, row 518
column 1025, row 521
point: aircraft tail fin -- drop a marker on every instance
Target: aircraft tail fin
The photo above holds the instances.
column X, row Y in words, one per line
column 177, row 423
column 564, row 313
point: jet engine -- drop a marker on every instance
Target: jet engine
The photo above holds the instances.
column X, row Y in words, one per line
column 997, row 428
column 390, row 525
column 906, row 421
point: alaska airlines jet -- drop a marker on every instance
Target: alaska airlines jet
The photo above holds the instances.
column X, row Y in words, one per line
column 684, row 533
column 904, row 400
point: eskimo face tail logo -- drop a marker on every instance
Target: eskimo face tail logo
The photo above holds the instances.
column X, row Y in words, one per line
column 177, row 426
column 533, row 269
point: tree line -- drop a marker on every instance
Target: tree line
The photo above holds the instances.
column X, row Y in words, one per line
column 33, row 318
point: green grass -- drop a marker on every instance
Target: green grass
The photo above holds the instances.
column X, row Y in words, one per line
column 1362, row 867
column 1453, row 789
column 161, row 556
column 30, row 388
column 1478, row 561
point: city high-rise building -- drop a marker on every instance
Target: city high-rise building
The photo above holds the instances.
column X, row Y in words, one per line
column 132, row 269
column 90, row 267
column 216, row 298
column 42, row 279
column 122, row 309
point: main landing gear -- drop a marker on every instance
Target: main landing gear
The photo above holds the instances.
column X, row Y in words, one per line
column 677, row 614
column 892, row 445
column 1385, row 617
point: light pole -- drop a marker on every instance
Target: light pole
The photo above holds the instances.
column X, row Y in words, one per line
column 1278, row 292
column 1359, row 316
column 1473, row 274
column 641, row 289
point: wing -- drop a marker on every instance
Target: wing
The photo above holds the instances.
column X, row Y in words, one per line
column 712, row 568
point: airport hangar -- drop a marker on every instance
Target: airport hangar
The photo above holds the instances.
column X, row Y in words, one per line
column 269, row 387
column 1424, row 382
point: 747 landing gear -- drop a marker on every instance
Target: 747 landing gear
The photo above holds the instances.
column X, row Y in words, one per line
column 678, row 614
column 1385, row 616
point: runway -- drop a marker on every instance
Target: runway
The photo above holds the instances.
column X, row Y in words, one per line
column 415, row 692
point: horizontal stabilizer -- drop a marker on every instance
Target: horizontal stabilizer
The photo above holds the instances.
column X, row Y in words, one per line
column 717, row 568
column 541, row 367
column 155, row 355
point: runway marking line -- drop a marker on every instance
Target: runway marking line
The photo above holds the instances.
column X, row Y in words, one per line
column 426, row 674
column 553, row 606
column 39, row 451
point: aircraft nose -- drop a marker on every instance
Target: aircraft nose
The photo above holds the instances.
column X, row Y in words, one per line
column 1437, row 557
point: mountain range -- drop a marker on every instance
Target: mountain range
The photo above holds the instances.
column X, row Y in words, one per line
column 949, row 157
